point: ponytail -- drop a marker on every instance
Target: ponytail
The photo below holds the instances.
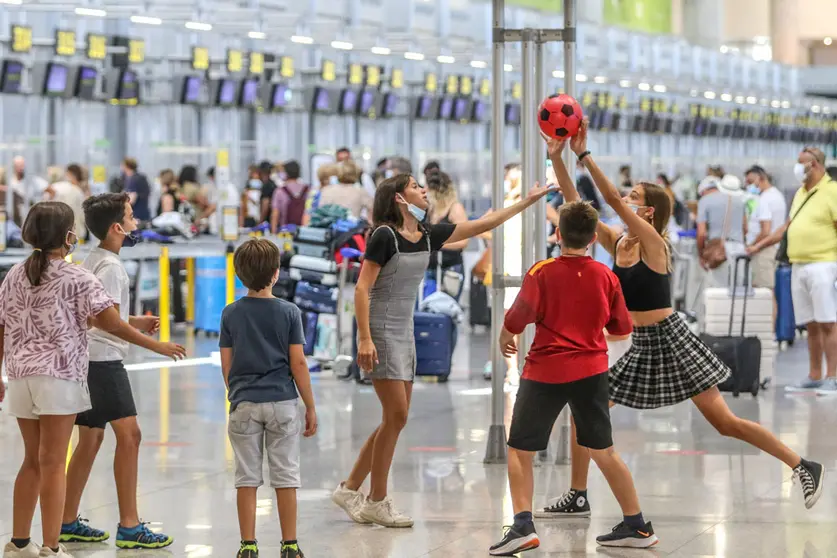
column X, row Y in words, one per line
column 35, row 266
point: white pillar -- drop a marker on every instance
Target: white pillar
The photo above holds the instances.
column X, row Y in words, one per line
column 677, row 17
column 703, row 22
column 784, row 31
column 591, row 11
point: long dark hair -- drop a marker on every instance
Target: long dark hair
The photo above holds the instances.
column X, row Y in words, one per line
column 189, row 173
column 385, row 209
column 45, row 229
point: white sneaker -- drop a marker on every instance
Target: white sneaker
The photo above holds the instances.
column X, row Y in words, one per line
column 351, row 501
column 31, row 550
column 385, row 513
column 47, row 552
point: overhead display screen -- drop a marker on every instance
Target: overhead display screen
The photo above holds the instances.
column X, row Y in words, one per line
column 390, row 104
column 128, row 86
column 348, row 101
column 367, row 102
column 85, row 86
column 249, row 92
column 445, row 108
column 322, row 100
column 423, row 105
column 12, row 76
column 281, row 96
column 226, row 93
column 191, row 93
column 55, row 81
column 460, row 108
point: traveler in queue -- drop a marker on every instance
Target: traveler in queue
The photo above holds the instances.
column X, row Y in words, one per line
column 289, row 200
column 445, row 208
column 344, row 154
column 71, row 191
column 347, row 192
column 812, row 251
column 136, row 185
column 396, row 259
column 768, row 216
column 721, row 227
column 268, row 189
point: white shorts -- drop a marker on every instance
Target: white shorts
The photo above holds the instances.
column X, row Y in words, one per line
column 814, row 292
column 33, row 396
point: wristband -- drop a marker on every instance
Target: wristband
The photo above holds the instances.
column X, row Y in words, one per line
column 583, row 155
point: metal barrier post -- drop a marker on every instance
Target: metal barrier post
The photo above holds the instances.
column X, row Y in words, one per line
column 165, row 295
column 190, row 290
column 230, row 268
column 495, row 451
column 528, row 173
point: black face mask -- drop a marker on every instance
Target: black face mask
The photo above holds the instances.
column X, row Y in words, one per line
column 131, row 239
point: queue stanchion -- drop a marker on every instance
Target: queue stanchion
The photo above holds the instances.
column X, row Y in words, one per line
column 165, row 295
column 230, row 269
column 190, row 290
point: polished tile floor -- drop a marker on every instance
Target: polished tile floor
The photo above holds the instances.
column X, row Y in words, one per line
column 707, row 496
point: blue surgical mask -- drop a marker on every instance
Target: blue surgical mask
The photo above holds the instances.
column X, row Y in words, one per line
column 635, row 208
column 415, row 210
column 71, row 246
column 753, row 189
column 254, row 183
column 333, row 180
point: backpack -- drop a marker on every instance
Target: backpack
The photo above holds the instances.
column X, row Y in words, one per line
column 296, row 206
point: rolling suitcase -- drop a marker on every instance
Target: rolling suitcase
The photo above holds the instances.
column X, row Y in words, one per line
column 785, row 320
column 285, row 287
column 313, row 270
column 479, row 311
column 435, row 336
column 309, row 328
column 316, row 298
column 741, row 353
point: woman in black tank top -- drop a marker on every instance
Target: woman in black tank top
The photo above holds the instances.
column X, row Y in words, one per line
column 666, row 363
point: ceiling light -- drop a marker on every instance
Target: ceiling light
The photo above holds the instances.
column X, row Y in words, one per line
column 600, row 79
column 445, row 59
column 146, row 20
column 660, row 88
column 90, row 12
column 775, row 103
column 507, row 67
column 624, row 83
column 815, row 108
column 644, row 86
column 479, row 64
column 342, row 45
column 827, row 41
column 12, row 2
column 826, row 110
column 257, row 35
column 580, row 77
column 198, row 26
column 383, row 51
column 786, row 104
column 413, row 55
column 726, row 97
column 751, row 100
column 709, row 94
column 302, row 40
column 739, row 99
column 724, row 49
column 558, row 73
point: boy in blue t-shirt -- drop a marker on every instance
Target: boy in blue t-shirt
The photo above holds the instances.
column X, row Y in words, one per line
column 264, row 365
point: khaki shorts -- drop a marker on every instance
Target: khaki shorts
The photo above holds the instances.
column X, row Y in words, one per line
column 34, row 396
column 763, row 266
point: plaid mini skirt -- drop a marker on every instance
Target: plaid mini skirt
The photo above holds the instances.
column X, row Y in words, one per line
column 665, row 365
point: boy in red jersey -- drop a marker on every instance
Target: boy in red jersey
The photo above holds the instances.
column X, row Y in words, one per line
column 571, row 299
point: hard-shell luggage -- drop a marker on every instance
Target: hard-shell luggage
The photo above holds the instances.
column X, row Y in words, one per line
column 314, row 235
column 435, row 336
column 211, row 292
column 316, row 298
column 326, row 346
column 479, row 311
column 309, row 328
column 285, row 287
column 785, row 320
column 313, row 270
column 741, row 353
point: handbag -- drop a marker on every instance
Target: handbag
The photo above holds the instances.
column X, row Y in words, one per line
column 715, row 250
column 782, row 251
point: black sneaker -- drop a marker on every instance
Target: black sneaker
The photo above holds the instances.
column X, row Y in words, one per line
column 625, row 536
column 811, row 478
column 515, row 541
column 571, row 504
column 248, row 550
column 291, row 551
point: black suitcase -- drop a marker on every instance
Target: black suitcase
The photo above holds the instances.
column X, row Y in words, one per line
column 479, row 311
column 741, row 353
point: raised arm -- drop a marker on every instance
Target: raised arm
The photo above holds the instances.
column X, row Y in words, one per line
column 489, row 221
column 607, row 235
column 650, row 240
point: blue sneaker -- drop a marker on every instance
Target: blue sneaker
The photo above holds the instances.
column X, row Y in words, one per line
column 141, row 537
column 79, row 531
column 828, row 387
column 805, row 385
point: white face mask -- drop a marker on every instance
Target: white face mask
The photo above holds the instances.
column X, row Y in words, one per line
column 799, row 172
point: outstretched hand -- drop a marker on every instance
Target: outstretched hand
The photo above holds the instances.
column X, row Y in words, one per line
column 537, row 191
column 578, row 143
column 554, row 146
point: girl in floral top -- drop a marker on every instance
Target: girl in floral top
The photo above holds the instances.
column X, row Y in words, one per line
column 46, row 307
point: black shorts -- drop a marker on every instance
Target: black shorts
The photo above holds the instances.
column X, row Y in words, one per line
column 110, row 395
column 538, row 405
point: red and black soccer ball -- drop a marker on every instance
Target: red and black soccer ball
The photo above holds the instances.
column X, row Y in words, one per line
column 559, row 116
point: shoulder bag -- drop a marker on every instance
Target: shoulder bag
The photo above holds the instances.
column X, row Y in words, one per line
column 715, row 250
column 782, row 251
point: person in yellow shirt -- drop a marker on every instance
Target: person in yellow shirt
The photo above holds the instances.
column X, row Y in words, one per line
column 812, row 251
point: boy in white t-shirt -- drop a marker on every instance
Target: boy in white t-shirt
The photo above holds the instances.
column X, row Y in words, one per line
column 110, row 218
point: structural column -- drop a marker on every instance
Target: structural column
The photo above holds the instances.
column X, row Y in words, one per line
column 703, row 22
column 784, row 31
